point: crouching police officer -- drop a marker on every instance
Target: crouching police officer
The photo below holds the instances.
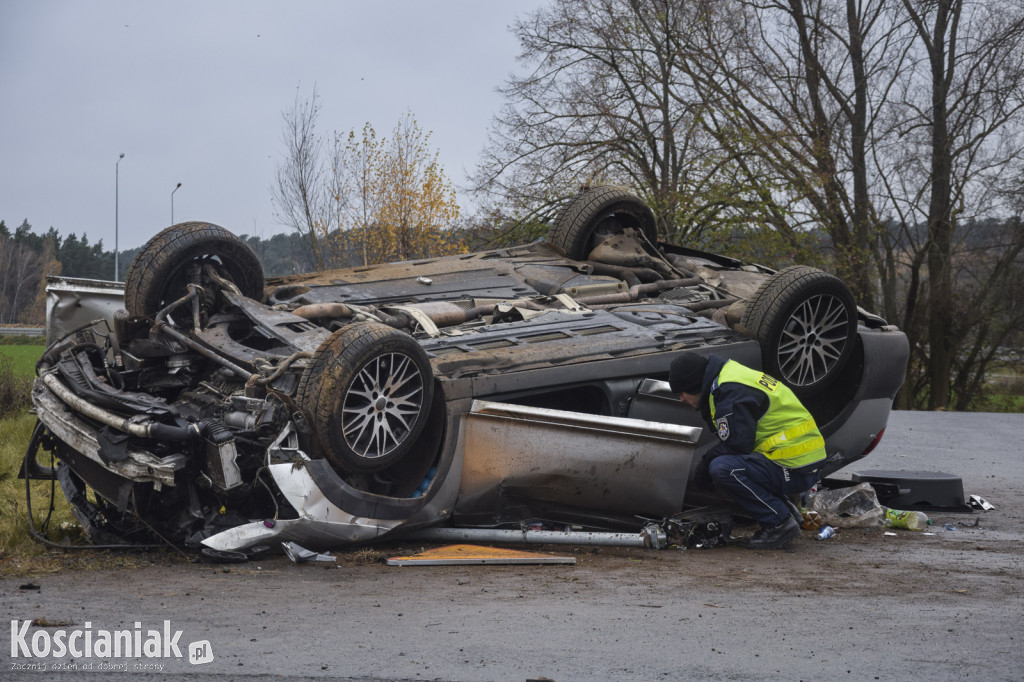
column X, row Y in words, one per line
column 768, row 443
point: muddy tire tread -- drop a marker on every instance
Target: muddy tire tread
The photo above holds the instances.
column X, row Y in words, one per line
column 319, row 393
column 571, row 230
column 149, row 270
column 775, row 297
column 771, row 297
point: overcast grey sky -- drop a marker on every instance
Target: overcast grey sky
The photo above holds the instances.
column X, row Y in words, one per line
column 193, row 91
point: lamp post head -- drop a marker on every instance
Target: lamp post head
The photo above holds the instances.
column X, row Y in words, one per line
column 121, row 156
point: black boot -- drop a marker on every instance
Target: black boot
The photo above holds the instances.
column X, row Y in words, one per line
column 774, row 537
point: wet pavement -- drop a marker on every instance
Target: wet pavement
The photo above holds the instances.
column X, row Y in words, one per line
column 860, row 606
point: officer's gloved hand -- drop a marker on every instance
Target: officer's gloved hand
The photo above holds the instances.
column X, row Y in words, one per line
column 702, row 476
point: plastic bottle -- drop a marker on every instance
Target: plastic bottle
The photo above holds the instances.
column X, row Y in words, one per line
column 911, row 520
column 826, row 533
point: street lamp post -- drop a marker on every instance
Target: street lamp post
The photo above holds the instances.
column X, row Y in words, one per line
column 172, row 201
column 117, row 203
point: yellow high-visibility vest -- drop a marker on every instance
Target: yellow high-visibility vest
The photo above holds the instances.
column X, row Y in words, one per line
column 787, row 433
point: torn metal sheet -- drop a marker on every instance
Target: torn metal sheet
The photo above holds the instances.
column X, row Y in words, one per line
column 463, row 555
column 301, row 555
column 320, row 524
column 515, row 452
column 72, row 302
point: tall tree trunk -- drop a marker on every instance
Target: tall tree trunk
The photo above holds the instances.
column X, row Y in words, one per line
column 860, row 263
column 851, row 268
column 940, row 224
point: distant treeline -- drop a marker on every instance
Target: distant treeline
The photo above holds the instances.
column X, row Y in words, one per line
column 27, row 259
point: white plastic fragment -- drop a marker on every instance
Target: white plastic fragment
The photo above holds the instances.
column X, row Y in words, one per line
column 301, row 555
column 978, row 503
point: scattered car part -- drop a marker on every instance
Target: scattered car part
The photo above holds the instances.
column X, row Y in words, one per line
column 916, row 490
column 977, row 502
column 301, row 555
column 702, row 528
column 646, row 538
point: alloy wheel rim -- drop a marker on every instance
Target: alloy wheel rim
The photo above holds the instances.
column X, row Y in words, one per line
column 382, row 404
column 813, row 340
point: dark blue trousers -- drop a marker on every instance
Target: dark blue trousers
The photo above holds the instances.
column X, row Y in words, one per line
column 758, row 485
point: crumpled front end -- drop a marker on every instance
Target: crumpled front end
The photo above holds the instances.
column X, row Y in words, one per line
column 213, row 462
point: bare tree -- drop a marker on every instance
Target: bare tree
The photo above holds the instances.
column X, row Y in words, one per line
column 20, row 270
column 299, row 191
column 885, row 123
column 385, row 199
column 910, row 110
column 809, row 80
column 607, row 100
column 972, row 55
column 399, row 203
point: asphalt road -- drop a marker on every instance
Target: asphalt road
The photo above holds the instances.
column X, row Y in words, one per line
column 860, row 606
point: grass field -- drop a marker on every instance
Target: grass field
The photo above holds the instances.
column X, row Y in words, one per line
column 23, row 357
column 17, row 371
column 15, row 433
column 1005, row 393
column 7, row 340
column 20, row 554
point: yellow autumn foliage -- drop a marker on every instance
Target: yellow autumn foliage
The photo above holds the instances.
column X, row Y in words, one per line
column 395, row 201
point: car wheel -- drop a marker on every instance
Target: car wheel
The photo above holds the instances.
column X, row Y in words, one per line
column 173, row 258
column 597, row 213
column 367, row 394
column 806, row 322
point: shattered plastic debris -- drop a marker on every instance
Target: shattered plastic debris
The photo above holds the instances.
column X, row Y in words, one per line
column 301, row 555
column 702, row 528
column 853, row 507
column 978, row 503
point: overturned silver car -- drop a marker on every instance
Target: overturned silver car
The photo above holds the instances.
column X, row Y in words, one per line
column 490, row 390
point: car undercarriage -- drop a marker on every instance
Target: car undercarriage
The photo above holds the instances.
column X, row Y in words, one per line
column 221, row 410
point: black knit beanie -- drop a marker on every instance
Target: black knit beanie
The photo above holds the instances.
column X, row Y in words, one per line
column 686, row 373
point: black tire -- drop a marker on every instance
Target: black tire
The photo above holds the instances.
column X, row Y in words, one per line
column 367, row 394
column 159, row 273
column 597, row 213
column 806, row 322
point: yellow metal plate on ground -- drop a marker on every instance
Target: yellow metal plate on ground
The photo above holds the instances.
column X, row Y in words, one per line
column 461, row 555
